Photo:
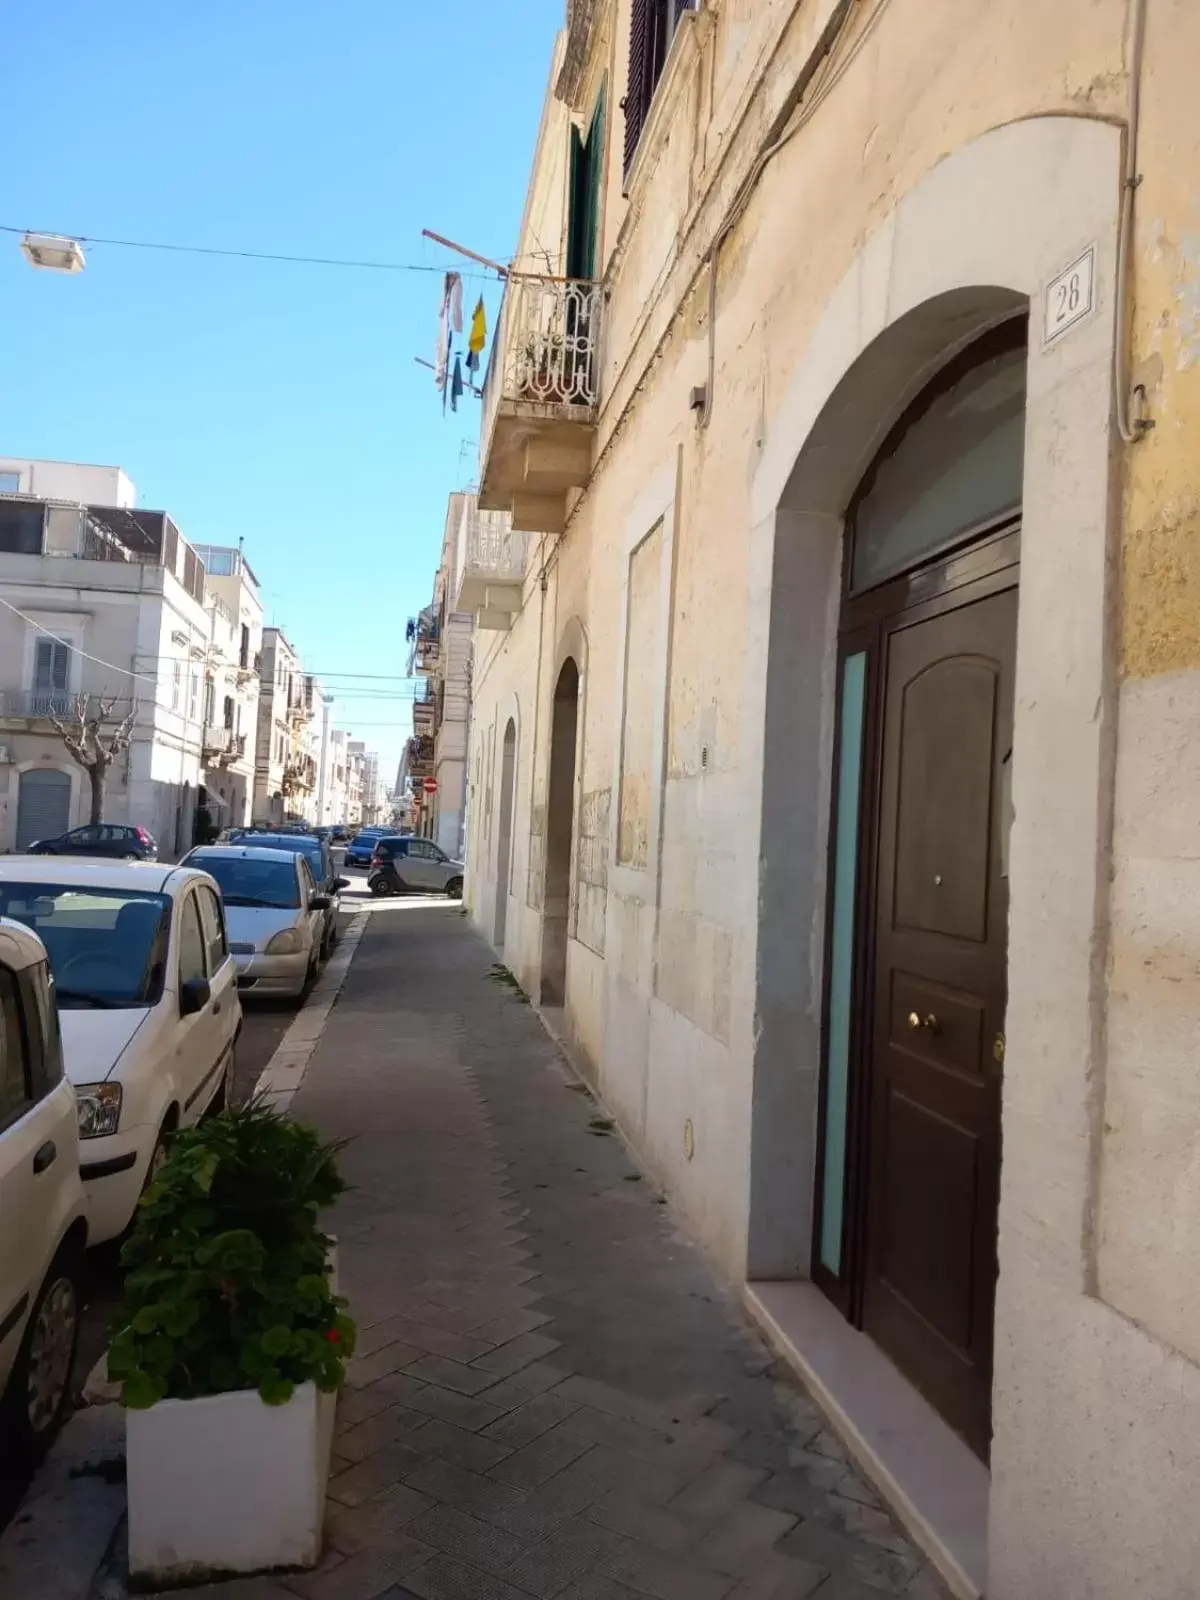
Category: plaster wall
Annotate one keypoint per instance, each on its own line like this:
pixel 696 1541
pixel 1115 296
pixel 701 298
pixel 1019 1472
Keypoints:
pixel 963 158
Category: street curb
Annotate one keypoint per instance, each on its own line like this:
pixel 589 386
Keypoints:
pixel 284 1072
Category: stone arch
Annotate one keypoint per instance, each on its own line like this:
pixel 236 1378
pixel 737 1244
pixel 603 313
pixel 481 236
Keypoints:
pixel 974 243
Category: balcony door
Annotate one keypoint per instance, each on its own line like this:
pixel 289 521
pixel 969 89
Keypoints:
pixel 51 676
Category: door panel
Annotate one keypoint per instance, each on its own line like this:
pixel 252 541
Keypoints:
pixel 940 932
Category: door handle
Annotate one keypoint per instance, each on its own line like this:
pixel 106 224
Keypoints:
pixel 46 1156
pixel 216 1006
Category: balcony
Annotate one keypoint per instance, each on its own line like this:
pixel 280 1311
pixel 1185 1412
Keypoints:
pixel 490 566
pixel 40 705
pixel 221 747
pixel 420 756
pixel 299 777
pixel 424 716
pixel 540 400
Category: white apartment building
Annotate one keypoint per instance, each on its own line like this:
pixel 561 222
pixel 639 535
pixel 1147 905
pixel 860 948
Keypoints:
pixel 285 768
pixel 336 778
pixel 231 685
pixel 102 600
pixel 442 653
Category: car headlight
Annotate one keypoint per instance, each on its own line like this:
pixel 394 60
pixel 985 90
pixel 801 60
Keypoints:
pixel 289 942
pixel 99 1108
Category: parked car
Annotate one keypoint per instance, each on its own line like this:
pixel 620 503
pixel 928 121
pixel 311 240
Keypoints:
pixel 100 839
pixel 43 1213
pixel 402 864
pixel 320 858
pixel 276 915
pixel 358 851
pixel 147 994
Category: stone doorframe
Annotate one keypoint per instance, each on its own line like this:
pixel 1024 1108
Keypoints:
pixel 975 242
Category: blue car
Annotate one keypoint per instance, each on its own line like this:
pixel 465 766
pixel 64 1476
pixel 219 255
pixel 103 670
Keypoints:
pixel 361 848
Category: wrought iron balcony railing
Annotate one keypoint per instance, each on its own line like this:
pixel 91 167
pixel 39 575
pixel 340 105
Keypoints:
pixel 546 351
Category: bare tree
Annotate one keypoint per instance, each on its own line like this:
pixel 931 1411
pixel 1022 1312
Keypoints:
pixel 94 749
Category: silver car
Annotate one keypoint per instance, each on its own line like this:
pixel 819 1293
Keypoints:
pixel 275 914
pixel 416 866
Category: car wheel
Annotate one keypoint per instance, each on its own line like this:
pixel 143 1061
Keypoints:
pixel 454 889
pixel 158 1155
pixel 40 1383
pixel 381 887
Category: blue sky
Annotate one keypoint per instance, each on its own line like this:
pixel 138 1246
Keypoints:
pixel 267 401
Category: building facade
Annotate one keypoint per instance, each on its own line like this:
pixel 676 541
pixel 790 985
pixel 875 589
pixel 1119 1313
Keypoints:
pixel 478 548
pixel 285 768
pixel 229 739
pixel 106 603
pixel 832 768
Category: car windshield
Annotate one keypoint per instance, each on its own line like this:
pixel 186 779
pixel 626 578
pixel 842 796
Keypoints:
pixel 250 881
pixel 107 947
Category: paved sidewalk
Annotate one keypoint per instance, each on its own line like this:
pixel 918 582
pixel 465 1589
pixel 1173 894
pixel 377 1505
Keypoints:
pixel 552 1396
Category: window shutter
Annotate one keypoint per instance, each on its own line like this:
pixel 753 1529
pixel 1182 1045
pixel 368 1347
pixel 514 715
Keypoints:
pixel 577 200
pixel 595 183
pixel 637 101
pixel 50 665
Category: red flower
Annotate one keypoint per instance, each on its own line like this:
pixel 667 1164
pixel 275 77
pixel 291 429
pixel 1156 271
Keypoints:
pixel 334 1336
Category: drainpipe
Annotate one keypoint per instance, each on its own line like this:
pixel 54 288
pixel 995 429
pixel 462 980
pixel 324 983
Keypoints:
pixel 1135 428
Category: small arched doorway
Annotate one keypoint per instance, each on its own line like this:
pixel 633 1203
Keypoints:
pixel 508 765
pixel 916 943
pixel 43 805
pixel 560 832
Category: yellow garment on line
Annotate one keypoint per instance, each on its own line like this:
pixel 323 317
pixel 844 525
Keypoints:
pixel 478 335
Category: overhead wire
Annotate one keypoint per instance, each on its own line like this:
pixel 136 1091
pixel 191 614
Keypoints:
pixel 250 255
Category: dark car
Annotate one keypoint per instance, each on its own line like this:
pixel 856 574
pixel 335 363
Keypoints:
pixel 317 853
pixel 360 848
pixel 111 839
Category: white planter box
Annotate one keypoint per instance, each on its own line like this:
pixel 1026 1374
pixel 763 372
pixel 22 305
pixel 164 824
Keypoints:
pixel 226 1484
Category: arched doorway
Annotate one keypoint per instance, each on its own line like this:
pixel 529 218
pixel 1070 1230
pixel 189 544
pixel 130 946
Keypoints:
pixel 43 805
pixel 560 832
pixel 508 764
pixel 916 947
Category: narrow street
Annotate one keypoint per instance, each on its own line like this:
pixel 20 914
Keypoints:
pixel 553 1395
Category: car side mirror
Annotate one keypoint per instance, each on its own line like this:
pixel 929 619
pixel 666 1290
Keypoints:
pixel 194 995
pixel 319 902
pixel 341 883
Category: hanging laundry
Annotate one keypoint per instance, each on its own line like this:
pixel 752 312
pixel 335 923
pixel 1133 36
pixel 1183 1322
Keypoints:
pixel 456 384
pixel 449 322
pixel 478 335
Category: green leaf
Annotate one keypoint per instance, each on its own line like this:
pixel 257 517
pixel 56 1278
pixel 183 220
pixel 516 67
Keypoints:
pixel 145 1320
pixel 276 1390
pixel 140 1391
pixel 277 1341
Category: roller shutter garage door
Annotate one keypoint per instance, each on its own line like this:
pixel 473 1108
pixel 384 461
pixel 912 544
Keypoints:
pixel 43 806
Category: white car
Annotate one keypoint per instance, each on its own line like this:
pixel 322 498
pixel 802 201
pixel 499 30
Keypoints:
pixel 43 1214
pixel 276 912
pixel 147 996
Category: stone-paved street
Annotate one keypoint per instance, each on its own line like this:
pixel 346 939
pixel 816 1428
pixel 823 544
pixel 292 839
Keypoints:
pixel 553 1396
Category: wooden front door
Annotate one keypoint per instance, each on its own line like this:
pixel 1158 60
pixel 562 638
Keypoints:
pixel 939 932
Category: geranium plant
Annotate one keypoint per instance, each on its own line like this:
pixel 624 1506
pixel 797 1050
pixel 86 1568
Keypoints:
pixel 226 1283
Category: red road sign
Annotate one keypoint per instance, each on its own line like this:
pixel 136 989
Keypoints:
pixel 430 785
